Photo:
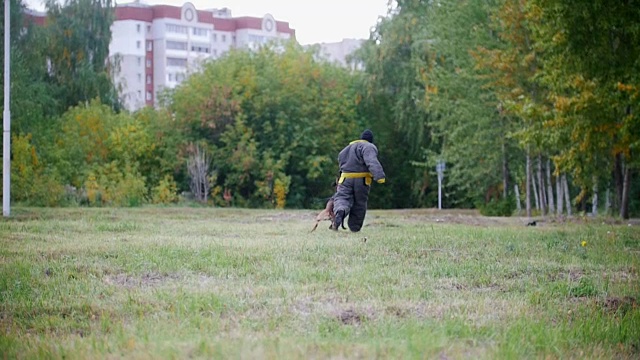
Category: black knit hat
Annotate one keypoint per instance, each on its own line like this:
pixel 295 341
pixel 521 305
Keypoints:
pixel 367 135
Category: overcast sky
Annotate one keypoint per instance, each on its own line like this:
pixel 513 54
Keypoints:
pixel 314 21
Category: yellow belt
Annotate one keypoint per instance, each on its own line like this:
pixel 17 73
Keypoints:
pixel 368 178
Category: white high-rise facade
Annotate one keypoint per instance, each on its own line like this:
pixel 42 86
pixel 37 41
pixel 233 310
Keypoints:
pixel 157 46
pixel 338 52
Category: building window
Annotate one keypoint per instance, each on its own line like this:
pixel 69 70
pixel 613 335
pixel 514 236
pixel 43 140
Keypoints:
pixel 179 77
pixel 224 38
pixel 176 45
pixel 149 96
pixel 170 76
pixel 139 61
pixel 138 44
pixel 200 48
pixel 138 27
pixel 148 63
pixel 200 32
pixel 256 39
pixel 179 29
pixel 148 79
pixel 177 62
pixel 233 39
pixel 139 94
pixel 148 29
pixel 215 37
pixel 139 77
pixel 149 45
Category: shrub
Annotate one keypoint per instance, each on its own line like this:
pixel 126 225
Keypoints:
pixel 501 207
pixel 166 191
pixel 108 185
pixel 31 181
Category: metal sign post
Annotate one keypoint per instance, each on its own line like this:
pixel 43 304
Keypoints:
pixel 6 114
pixel 440 166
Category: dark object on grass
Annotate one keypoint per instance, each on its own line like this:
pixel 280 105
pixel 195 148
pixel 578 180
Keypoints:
pixel 533 223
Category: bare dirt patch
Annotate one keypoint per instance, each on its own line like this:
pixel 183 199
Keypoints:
pixel 629 274
pixel 151 279
pixel 351 317
pixel 572 275
pixel 619 305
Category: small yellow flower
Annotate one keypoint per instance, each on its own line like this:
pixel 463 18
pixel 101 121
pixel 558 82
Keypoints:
pixel 583 243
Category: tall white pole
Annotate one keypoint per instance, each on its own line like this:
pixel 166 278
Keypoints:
pixel 440 166
pixel 439 190
pixel 6 114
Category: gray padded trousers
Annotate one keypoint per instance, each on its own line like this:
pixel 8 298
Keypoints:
pixel 352 197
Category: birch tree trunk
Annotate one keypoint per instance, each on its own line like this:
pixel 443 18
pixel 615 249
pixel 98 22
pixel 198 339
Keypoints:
pixel 541 192
pixel 505 173
pixel 626 184
pixel 517 192
pixel 535 194
pixel 527 192
pixel 567 197
pixel 618 178
pixel 594 205
pixel 550 189
pixel 198 166
pixel 559 196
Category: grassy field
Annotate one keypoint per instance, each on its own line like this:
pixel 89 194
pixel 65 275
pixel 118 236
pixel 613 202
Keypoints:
pixel 255 284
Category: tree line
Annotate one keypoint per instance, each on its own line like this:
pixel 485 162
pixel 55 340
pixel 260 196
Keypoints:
pixel 531 104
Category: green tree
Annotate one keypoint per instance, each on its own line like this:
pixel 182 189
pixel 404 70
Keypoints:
pixel 277 107
pixel 32 96
pixel 468 119
pixel 510 68
pixel 593 67
pixel 161 158
pixel 79 33
pixel 390 103
pixel 82 141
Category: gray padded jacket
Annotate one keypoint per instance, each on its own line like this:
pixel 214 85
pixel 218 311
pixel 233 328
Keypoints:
pixel 361 156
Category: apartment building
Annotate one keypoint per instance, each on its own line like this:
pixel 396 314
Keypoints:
pixel 338 52
pixel 158 46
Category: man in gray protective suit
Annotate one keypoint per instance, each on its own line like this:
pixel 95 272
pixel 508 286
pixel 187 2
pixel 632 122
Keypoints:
pixel 359 166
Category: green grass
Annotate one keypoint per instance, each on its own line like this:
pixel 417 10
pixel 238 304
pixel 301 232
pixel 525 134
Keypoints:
pixel 213 283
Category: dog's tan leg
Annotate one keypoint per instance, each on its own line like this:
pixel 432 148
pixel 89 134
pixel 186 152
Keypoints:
pixel 326 214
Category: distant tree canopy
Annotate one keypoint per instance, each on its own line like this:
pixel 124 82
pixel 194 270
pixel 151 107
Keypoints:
pixel 273 119
pixel 78 37
pixel 530 104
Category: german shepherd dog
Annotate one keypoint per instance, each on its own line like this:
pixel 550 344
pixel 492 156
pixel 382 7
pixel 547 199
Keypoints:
pixel 327 213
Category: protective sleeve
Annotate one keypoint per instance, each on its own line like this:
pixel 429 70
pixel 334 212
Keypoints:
pixel 370 156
